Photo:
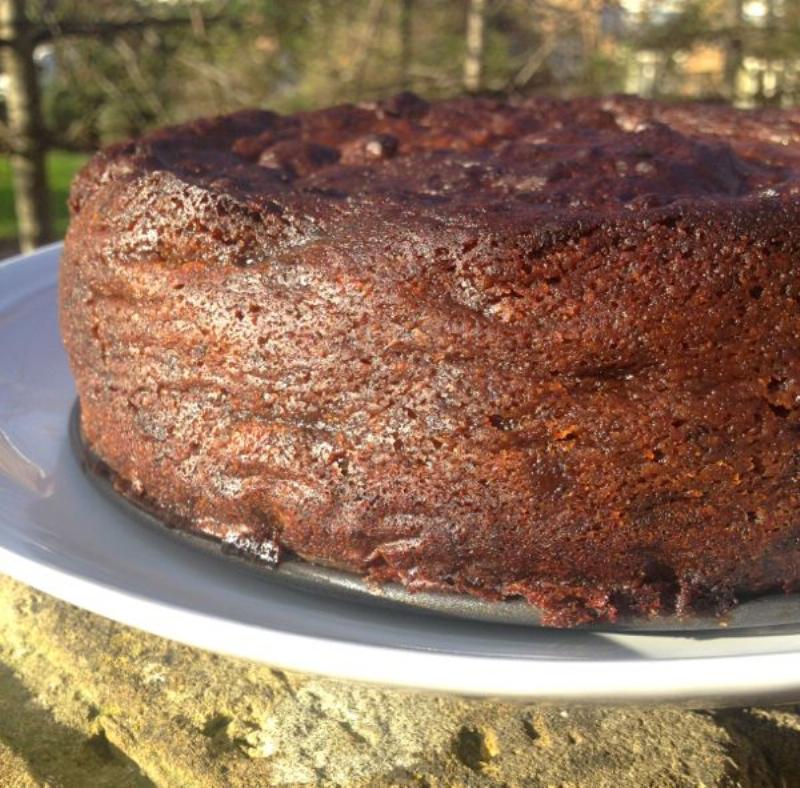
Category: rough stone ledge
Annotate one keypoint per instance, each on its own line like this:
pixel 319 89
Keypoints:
pixel 85 701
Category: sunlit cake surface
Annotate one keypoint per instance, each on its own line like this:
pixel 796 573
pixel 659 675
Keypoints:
pixel 541 349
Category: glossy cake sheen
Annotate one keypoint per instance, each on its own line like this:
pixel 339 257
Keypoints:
pixel 539 348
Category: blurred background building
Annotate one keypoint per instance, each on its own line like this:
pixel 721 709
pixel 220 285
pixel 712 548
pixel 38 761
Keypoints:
pixel 78 74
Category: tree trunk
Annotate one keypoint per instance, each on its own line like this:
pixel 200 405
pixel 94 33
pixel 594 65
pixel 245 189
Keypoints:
pixel 406 41
pixel 25 128
pixel 733 50
pixel 476 35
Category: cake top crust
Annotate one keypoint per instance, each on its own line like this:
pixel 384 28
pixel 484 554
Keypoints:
pixel 530 166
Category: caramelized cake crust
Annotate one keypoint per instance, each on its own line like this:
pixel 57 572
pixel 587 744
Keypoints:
pixel 543 348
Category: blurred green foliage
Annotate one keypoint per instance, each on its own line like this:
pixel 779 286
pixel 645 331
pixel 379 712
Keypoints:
pixel 61 166
pixel 297 54
pixel 205 57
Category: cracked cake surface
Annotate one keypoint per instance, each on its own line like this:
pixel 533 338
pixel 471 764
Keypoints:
pixel 533 348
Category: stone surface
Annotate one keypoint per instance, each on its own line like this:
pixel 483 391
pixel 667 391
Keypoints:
pixel 85 701
pixel 14 772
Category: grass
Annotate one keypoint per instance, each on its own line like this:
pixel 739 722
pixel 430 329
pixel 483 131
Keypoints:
pixel 61 166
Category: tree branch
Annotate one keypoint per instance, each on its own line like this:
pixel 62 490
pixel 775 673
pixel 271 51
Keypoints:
pixel 108 29
pixel 38 34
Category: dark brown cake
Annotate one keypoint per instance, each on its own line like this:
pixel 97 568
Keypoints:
pixel 548 349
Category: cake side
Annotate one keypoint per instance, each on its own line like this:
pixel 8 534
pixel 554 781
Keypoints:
pixel 581 390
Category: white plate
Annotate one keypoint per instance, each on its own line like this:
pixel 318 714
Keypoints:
pixel 59 534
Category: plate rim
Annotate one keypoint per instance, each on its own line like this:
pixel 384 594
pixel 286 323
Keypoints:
pixel 712 678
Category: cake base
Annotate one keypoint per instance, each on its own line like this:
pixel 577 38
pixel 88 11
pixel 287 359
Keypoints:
pixel 761 612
